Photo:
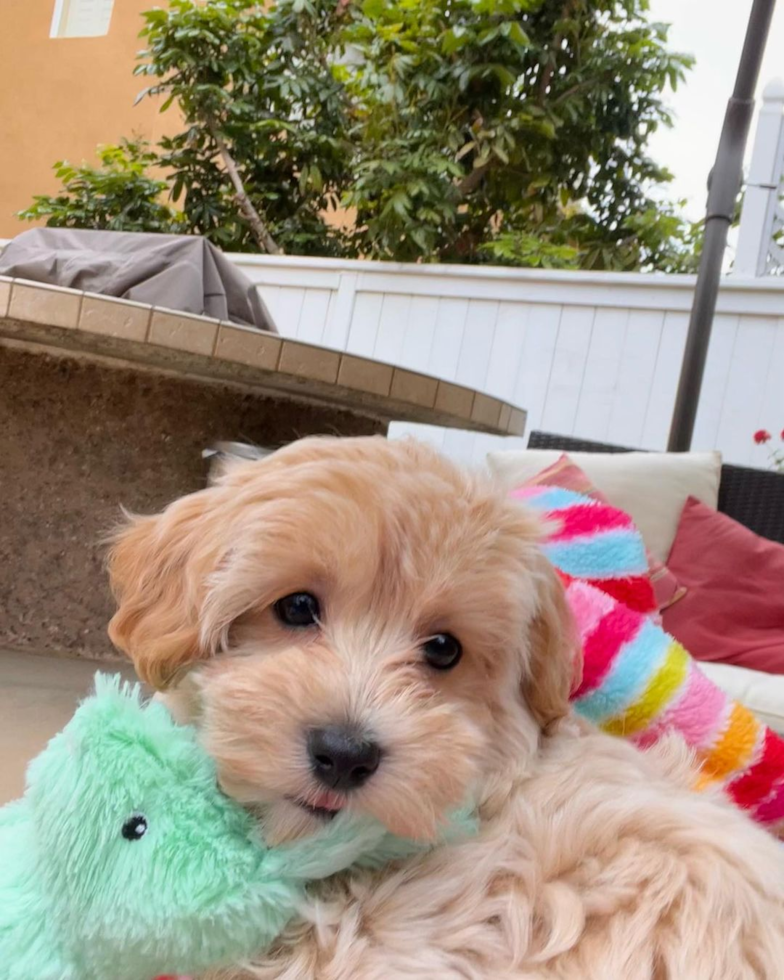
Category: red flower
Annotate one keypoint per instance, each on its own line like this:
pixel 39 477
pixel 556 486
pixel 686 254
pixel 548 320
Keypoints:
pixel 782 435
pixel 761 436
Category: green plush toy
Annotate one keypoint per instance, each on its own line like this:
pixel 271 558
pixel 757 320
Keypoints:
pixel 124 860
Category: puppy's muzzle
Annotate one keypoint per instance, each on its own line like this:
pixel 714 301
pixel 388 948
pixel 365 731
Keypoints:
pixel 342 758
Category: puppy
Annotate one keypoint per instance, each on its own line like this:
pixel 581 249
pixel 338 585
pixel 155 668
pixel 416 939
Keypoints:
pixel 358 624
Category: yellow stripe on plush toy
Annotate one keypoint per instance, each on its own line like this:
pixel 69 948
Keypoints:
pixel 735 746
pixel 664 684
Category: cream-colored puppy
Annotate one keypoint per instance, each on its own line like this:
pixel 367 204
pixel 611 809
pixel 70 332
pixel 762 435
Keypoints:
pixel 357 624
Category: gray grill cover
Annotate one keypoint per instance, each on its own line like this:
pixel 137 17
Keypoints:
pixel 178 272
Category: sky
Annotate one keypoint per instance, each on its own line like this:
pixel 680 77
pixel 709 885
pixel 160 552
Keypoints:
pixel 712 31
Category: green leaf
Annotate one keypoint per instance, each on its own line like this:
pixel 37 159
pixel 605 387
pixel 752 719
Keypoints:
pixel 143 94
pixel 454 39
pixel 177 188
pixel 517 35
pixel 488 35
pixel 504 75
pixel 420 237
pixel 374 9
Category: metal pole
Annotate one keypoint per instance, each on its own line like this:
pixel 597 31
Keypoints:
pixel 724 184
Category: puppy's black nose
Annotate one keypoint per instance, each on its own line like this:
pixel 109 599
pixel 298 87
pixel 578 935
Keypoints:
pixel 341 757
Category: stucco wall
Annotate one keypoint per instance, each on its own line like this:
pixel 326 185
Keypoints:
pixel 64 96
pixel 77 441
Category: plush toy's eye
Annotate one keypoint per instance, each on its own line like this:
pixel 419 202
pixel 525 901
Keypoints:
pixel 135 827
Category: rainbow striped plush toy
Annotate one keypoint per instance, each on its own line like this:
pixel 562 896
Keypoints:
pixel 638 682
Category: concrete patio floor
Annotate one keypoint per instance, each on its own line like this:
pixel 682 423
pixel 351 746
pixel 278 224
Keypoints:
pixel 37 697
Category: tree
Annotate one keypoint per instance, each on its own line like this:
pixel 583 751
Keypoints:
pixel 263 108
pixel 511 119
pixel 451 130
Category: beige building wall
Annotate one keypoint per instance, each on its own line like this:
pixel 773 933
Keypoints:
pixel 61 97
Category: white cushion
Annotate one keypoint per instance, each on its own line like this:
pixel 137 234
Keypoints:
pixel 651 487
pixel 759 692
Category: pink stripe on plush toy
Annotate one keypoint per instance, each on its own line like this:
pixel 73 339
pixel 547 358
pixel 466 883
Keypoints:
pixel 588 609
pixel 581 521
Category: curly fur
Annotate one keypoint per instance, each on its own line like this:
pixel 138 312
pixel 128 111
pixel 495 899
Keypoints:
pixel 594 859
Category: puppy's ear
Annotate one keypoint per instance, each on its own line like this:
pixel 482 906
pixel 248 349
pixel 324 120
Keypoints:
pixel 157 567
pixel 555 660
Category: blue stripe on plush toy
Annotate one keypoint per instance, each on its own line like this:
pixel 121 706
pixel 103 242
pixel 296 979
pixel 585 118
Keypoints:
pixel 609 554
pixel 555 498
pixel 634 665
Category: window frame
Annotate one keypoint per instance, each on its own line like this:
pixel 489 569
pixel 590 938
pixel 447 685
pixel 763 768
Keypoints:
pixel 63 10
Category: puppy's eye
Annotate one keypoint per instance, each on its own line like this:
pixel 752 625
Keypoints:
pixel 442 651
pixel 135 827
pixel 300 609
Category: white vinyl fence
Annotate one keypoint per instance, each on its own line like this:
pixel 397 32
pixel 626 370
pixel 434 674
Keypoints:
pixel 591 354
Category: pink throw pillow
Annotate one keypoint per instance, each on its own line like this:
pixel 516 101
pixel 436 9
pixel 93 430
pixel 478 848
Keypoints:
pixel 734 608
pixel 564 472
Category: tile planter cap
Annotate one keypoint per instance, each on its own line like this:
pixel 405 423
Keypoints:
pixel 214 350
